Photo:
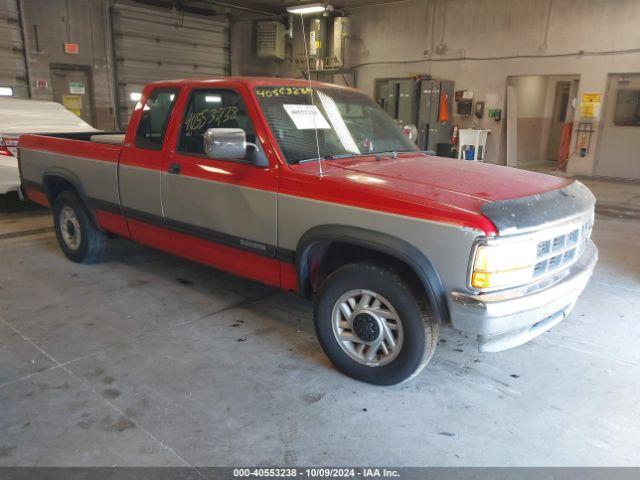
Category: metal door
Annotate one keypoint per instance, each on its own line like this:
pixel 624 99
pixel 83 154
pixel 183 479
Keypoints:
pixel 213 203
pixel 620 129
pixel 427 113
pixel 71 86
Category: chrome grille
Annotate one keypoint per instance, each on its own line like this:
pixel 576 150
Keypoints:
pixel 562 249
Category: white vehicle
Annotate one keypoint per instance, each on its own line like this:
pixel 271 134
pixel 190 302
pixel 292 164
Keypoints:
pixel 20 116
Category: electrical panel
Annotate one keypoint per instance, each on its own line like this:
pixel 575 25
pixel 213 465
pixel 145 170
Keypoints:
pixel 424 102
pixel 270 40
pixel 434 113
pixel 400 102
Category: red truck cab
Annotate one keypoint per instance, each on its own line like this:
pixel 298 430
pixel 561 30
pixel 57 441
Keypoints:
pixel 311 187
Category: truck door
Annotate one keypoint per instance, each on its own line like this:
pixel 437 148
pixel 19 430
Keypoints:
pixel 221 212
pixel 141 165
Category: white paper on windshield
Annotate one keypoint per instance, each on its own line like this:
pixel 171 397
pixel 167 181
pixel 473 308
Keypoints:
pixel 306 117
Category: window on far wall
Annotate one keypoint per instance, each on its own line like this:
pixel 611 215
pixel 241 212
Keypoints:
pixel 627 108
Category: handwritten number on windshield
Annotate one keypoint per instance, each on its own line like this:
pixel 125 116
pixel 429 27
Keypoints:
pixel 283 91
pixel 210 117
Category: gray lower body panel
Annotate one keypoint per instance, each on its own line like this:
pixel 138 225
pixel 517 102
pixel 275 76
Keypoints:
pixel 446 246
pixel 140 190
pixel 247 213
pixel 98 178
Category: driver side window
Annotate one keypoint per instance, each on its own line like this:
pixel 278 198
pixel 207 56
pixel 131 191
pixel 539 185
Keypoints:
pixel 212 109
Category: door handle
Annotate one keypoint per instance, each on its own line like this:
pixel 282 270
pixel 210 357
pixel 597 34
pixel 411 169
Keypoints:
pixel 175 168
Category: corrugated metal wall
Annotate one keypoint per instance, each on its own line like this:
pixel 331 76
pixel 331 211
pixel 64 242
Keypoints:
pixel 158 44
pixel 13 72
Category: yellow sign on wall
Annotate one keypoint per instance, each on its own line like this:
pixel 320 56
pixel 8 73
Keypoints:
pixel 591 97
pixel 590 105
pixel 73 103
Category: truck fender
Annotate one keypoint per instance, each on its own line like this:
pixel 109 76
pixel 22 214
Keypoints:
pixel 322 236
pixel 74 180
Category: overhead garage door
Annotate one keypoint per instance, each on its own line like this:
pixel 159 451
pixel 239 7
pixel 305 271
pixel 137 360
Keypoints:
pixel 159 44
pixel 13 72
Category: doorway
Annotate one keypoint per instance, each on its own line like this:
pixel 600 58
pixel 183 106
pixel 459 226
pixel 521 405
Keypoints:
pixel 620 129
pixel 564 104
pixel 72 87
pixel 540 109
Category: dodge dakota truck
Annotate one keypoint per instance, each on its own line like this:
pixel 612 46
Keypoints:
pixel 312 188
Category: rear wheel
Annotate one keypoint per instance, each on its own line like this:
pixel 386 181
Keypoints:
pixel 79 239
pixel 372 326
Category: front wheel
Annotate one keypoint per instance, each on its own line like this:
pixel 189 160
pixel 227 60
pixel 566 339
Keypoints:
pixel 372 326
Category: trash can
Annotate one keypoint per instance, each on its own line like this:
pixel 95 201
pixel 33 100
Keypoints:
pixel 470 153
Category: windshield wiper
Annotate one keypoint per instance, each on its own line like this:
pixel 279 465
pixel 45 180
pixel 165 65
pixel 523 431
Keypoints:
pixel 392 153
pixel 346 155
pixel 335 157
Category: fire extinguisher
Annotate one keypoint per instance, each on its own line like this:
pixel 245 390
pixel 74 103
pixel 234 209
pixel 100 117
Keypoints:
pixel 454 135
pixel 454 140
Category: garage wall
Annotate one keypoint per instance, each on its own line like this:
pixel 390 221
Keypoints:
pixel 158 44
pixel 531 96
pixel 13 71
pixel 244 60
pixel 48 24
pixel 395 40
pixel 123 47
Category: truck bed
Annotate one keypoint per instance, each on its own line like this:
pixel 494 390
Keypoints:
pixel 77 157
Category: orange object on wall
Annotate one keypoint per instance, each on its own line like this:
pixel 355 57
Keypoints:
pixel 565 144
pixel 443 111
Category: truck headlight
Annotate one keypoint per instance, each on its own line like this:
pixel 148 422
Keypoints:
pixel 503 264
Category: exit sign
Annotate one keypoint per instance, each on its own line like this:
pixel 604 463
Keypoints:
pixel 71 48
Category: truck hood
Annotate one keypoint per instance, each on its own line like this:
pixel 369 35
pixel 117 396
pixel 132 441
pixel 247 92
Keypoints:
pixel 432 176
pixel 429 187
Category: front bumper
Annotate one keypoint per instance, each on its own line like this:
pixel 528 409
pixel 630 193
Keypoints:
pixel 510 318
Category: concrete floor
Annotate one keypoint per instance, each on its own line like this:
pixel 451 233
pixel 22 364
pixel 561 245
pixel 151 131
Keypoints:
pixel 147 359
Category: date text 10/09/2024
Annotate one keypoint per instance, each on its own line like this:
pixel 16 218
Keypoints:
pixel 316 473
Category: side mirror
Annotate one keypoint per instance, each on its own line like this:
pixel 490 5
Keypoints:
pixel 411 132
pixel 225 143
pixel 231 144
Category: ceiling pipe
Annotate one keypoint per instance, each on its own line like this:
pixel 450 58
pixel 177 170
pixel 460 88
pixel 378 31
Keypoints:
pixel 244 9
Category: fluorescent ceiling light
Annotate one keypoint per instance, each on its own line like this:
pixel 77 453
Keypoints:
pixel 135 96
pixel 213 98
pixel 6 92
pixel 307 8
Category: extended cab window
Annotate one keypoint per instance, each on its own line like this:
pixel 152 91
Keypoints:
pixel 212 109
pixel 155 117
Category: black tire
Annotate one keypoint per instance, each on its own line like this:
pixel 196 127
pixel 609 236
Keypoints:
pixel 91 242
pixel 420 328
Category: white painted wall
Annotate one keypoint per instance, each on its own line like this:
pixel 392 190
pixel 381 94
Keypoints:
pixel 403 34
pixel 531 97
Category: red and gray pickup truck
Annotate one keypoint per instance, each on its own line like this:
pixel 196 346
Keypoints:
pixel 312 188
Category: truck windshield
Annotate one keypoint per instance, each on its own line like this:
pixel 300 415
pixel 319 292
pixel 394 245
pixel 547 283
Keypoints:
pixel 346 123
